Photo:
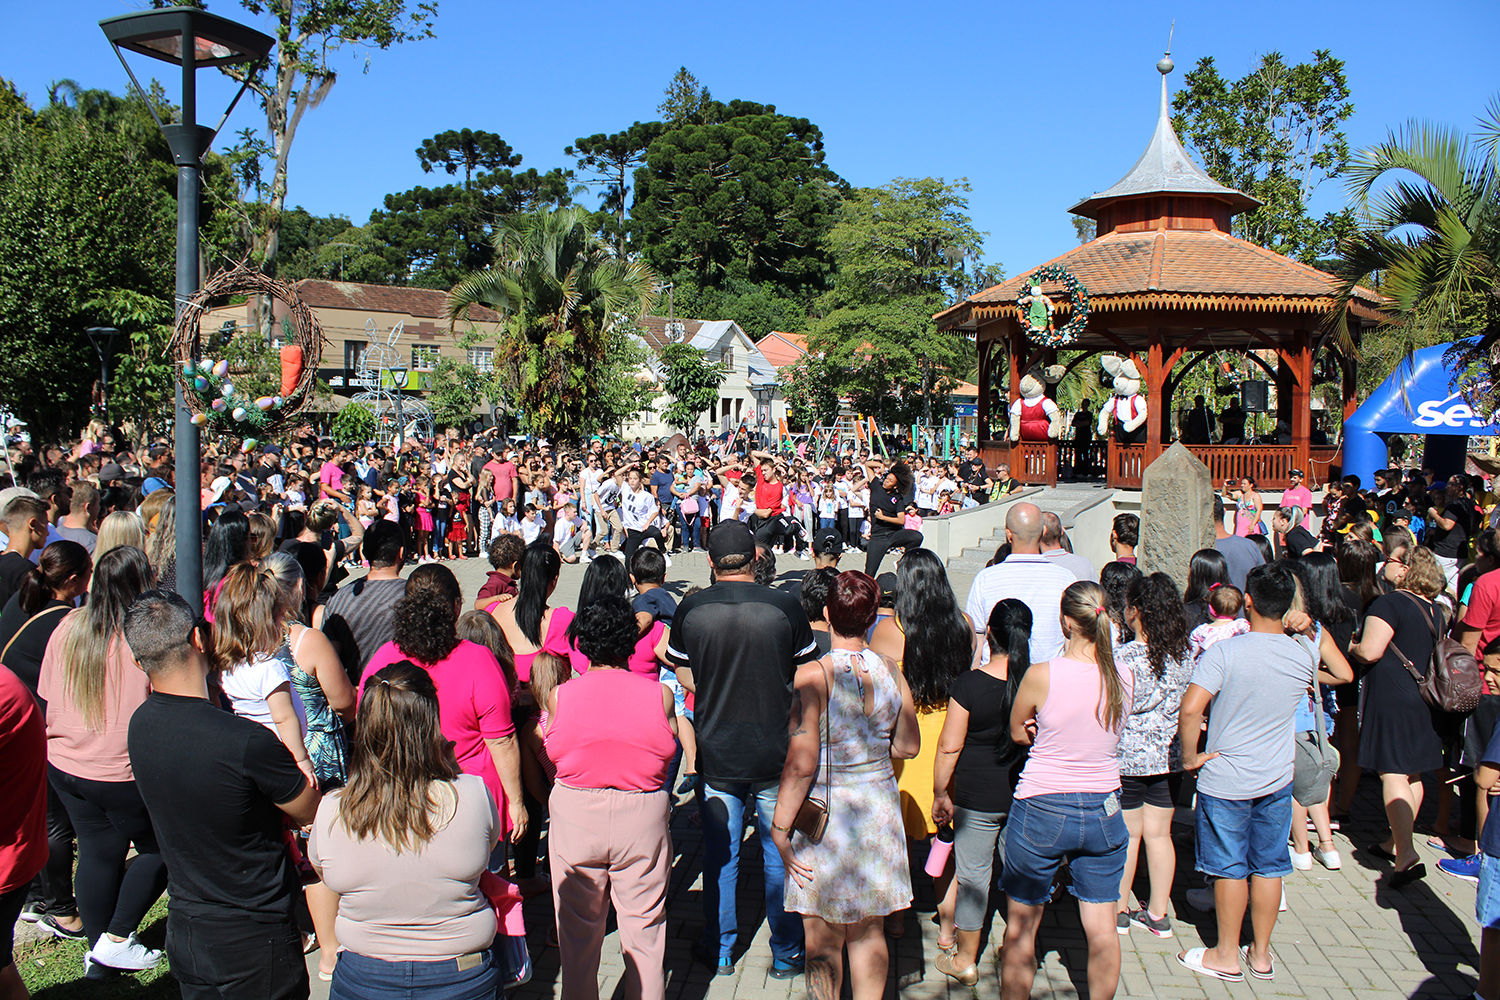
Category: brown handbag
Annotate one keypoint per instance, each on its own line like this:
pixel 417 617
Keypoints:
pixel 812 816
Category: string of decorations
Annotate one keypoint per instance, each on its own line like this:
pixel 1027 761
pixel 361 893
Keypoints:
pixel 1078 299
pixel 208 386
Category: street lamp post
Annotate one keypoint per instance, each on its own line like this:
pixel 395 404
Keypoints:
pixel 190 38
pixel 763 395
pixel 102 337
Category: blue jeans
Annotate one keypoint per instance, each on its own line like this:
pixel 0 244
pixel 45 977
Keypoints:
pixel 1086 829
pixel 723 809
pixel 1237 838
pixel 692 530
pixel 824 523
pixel 359 977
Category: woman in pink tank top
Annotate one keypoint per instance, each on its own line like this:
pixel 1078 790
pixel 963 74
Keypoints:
pixel 612 734
pixel 1067 805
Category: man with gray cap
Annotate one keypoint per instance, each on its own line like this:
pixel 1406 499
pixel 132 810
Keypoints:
pixel 737 646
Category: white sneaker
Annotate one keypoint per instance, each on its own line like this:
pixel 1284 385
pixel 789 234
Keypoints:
pixel 1328 859
pixel 128 955
pixel 585 558
pixel 803 555
pixel 1301 862
pixel 668 558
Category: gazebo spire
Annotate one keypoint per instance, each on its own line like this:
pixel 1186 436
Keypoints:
pixel 1165 168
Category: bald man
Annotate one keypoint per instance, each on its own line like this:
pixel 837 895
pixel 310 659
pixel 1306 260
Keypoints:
pixel 1054 549
pixel 1028 576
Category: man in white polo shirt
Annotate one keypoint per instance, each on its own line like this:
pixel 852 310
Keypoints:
pixel 1028 576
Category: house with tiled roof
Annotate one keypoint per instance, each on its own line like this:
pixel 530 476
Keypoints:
pixel 782 349
pixel 350 311
pixel 722 341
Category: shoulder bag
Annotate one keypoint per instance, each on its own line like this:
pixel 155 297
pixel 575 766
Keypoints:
pixel 812 817
pixel 1317 760
pixel 1454 676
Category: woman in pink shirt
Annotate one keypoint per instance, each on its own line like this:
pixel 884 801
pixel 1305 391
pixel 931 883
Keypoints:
pixel 1067 805
pixel 473 696
pixel 612 735
pixel 91 687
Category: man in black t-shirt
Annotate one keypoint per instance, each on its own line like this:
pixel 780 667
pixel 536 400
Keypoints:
pixel 892 497
pixel 218 787
pixel 974 474
pixel 737 645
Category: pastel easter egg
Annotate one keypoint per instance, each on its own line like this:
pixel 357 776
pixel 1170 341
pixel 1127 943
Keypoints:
pixel 265 402
pixel 219 405
pixel 200 383
pixel 248 444
pixel 199 419
pixel 240 413
pixel 221 369
pixel 227 389
pixel 205 366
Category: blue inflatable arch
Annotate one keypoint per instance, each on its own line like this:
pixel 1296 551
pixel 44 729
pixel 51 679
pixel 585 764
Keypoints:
pixel 1423 400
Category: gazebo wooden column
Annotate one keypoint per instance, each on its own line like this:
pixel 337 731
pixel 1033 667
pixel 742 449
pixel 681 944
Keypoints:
pixel 1158 416
pixel 1300 357
pixel 986 350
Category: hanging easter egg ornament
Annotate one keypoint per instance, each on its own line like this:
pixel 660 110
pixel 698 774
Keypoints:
pixel 249 444
pixel 239 394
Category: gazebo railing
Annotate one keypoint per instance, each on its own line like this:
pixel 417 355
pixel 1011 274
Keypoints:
pixel 1034 462
pixel 1269 465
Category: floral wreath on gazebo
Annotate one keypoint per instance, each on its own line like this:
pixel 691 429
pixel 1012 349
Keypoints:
pixel 1035 310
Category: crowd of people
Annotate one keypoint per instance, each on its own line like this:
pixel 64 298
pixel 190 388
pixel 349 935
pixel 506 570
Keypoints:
pixel 337 750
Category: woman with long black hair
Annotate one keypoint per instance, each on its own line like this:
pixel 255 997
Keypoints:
pixel 228 543
pixel 1358 563
pixel 92 686
pixel 1160 661
pixel 975 772
pixel 932 641
pixel 531 626
pixel 1323 599
pixel 1116 579
pixel 1206 568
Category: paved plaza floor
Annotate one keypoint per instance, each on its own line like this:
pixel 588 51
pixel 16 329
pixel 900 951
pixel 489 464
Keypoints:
pixel 1343 936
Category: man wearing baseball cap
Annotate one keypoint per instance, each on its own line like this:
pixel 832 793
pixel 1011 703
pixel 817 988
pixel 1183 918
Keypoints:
pixel 1298 496
pixel 737 646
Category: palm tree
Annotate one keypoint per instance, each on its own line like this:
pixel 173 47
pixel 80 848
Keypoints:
pixel 1434 241
pixel 560 292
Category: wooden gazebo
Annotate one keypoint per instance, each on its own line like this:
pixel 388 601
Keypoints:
pixel 1168 286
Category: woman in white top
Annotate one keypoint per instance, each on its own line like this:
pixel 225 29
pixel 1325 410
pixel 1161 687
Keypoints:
pixel 251 626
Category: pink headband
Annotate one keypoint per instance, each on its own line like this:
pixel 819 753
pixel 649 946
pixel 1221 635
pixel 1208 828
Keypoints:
pixel 1211 586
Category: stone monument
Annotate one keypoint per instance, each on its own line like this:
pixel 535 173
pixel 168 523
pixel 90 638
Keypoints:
pixel 1177 513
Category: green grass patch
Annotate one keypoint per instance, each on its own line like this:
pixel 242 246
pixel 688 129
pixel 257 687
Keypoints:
pixel 53 969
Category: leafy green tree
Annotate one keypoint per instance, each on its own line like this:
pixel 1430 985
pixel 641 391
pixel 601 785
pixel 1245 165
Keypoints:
pixel 82 223
pixel 467 150
pixel 619 388
pixel 611 159
pixel 141 381
pixel 810 385
pixel 686 101
pixel 560 291
pixel 900 252
pixel 743 195
pixel 354 423
pixel 310 35
pixel 1276 134
pixel 692 381
pixel 1432 236
pixel 457 392
pixel 432 237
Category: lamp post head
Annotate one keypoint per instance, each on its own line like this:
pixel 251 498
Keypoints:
pixel 189 38
pixel 217 41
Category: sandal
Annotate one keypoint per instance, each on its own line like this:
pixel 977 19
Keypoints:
pixel 1245 958
pixel 1193 959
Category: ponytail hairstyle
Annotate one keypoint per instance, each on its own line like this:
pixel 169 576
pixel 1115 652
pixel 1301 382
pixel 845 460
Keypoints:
pixel 1009 635
pixel 60 561
pixel 539 569
pixel 1084 605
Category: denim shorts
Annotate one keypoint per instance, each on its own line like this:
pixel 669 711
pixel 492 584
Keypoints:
pixel 1085 829
pixel 1238 838
pixel 1487 898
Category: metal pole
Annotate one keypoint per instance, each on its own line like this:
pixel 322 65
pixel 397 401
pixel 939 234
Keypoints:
pixel 185 440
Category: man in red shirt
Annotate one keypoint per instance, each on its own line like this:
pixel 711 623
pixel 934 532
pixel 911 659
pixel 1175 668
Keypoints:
pixel 506 475
pixel 770 523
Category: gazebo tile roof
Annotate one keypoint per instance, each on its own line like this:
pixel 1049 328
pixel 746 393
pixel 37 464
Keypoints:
pixel 1193 262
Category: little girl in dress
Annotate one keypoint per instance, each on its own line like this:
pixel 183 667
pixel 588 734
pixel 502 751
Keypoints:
pixel 1226 602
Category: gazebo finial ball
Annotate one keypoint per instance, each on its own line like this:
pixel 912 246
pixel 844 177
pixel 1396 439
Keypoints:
pixel 1164 65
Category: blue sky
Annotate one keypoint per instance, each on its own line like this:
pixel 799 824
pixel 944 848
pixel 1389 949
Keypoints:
pixel 1038 105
